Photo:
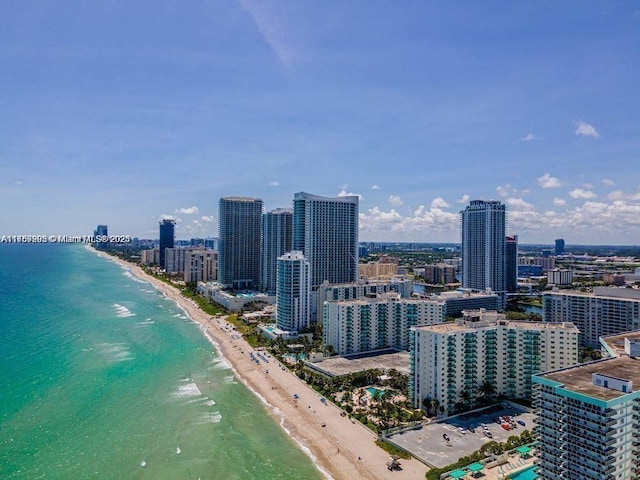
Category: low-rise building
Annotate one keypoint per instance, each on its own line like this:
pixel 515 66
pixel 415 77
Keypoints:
pixel 559 276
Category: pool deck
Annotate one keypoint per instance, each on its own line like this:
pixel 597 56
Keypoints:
pixel 514 464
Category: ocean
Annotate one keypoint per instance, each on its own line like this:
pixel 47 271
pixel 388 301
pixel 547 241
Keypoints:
pixel 103 377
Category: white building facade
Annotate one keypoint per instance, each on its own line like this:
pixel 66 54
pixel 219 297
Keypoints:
pixel 485 354
pixel 372 323
pixel 293 292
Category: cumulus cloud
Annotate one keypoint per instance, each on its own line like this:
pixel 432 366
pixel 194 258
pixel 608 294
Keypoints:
pixel 586 130
pixel 621 195
pixel 464 199
pixel 164 216
pixel 608 182
pixel 439 203
pixel 518 204
pixel 581 194
pixel 206 218
pixel 188 210
pixel 422 222
pixel 528 137
pixel 274 183
pixel 395 200
pixel 343 193
pixel 504 190
pixel 559 202
pixel 375 187
pixel 547 181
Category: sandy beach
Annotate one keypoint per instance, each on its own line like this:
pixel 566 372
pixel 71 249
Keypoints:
pixel 342 449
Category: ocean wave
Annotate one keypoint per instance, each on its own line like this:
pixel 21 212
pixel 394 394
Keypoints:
pixel 220 363
pixel 127 273
pixel 231 380
pixel 117 352
pixel 147 321
pixel 122 311
pixel 210 417
pixel 188 390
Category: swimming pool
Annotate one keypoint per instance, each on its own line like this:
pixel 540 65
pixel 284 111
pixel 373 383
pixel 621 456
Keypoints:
pixel 526 474
pixel 372 391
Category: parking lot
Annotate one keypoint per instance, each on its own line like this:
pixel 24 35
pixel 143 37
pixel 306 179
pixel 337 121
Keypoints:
pixel 429 445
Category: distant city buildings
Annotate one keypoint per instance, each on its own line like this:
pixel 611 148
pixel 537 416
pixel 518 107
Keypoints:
pixel 371 323
pixel 483 354
pixel 167 239
pixel 439 273
pixel 588 416
pixel 101 231
pixel 277 231
pixel 377 269
pixel 293 292
pixel 560 246
pixel 484 247
pixel 240 225
pixel 607 311
pixel 559 276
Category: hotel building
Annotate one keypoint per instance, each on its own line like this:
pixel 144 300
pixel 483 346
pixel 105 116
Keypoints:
pixel 167 239
pixel 483 352
pixel 607 311
pixel 588 416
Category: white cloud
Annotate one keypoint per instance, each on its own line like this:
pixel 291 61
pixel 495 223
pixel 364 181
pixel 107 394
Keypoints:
pixel 547 181
pixel 620 195
pixel 206 218
pixel 588 186
pixel 274 183
pixel 164 216
pixel 422 222
pixel 581 194
pixel 375 187
pixel 395 200
pixel 188 211
pixel 586 130
pixel 528 137
pixel 559 202
pixel 518 204
pixel 504 190
pixel 608 182
pixel 270 27
pixel 439 203
pixel 464 199
pixel 343 193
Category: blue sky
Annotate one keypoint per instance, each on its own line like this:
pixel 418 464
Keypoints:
pixel 122 112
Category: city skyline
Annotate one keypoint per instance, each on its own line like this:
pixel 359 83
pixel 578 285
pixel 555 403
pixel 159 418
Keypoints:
pixel 417 110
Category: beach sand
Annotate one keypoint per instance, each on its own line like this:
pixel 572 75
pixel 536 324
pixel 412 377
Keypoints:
pixel 341 449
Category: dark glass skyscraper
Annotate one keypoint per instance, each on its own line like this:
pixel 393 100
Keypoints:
pixel 560 246
pixel 240 249
pixel 512 263
pixel 484 247
pixel 167 239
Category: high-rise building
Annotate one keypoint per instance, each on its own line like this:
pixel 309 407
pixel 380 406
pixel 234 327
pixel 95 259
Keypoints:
pixel 483 246
pixel 512 262
pixel 588 416
pixel 560 246
pixel 99 234
pixel 239 255
pixel 294 288
pixel 606 311
pixel 326 231
pixel 485 354
pixel 167 238
pixel 277 232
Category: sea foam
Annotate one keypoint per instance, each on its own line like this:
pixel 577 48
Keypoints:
pixel 122 311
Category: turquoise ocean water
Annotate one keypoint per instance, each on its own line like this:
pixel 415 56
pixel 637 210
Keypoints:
pixel 102 377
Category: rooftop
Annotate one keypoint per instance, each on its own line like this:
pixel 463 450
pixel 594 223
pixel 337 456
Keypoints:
pixel 616 342
pixel 461 326
pixel 579 379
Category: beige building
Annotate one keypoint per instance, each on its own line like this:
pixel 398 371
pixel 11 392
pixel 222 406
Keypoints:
pixel 483 353
pixel 377 269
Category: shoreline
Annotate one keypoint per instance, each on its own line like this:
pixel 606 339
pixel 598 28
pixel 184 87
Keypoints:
pixel 338 448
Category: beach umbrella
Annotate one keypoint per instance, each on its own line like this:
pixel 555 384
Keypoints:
pixel 457 473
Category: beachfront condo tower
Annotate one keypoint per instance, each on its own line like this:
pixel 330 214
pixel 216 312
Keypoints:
pixel 167 239
pixel 294 288
pixel 484 256
pixel 277 231
pixel 240 242
pixel 325 230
